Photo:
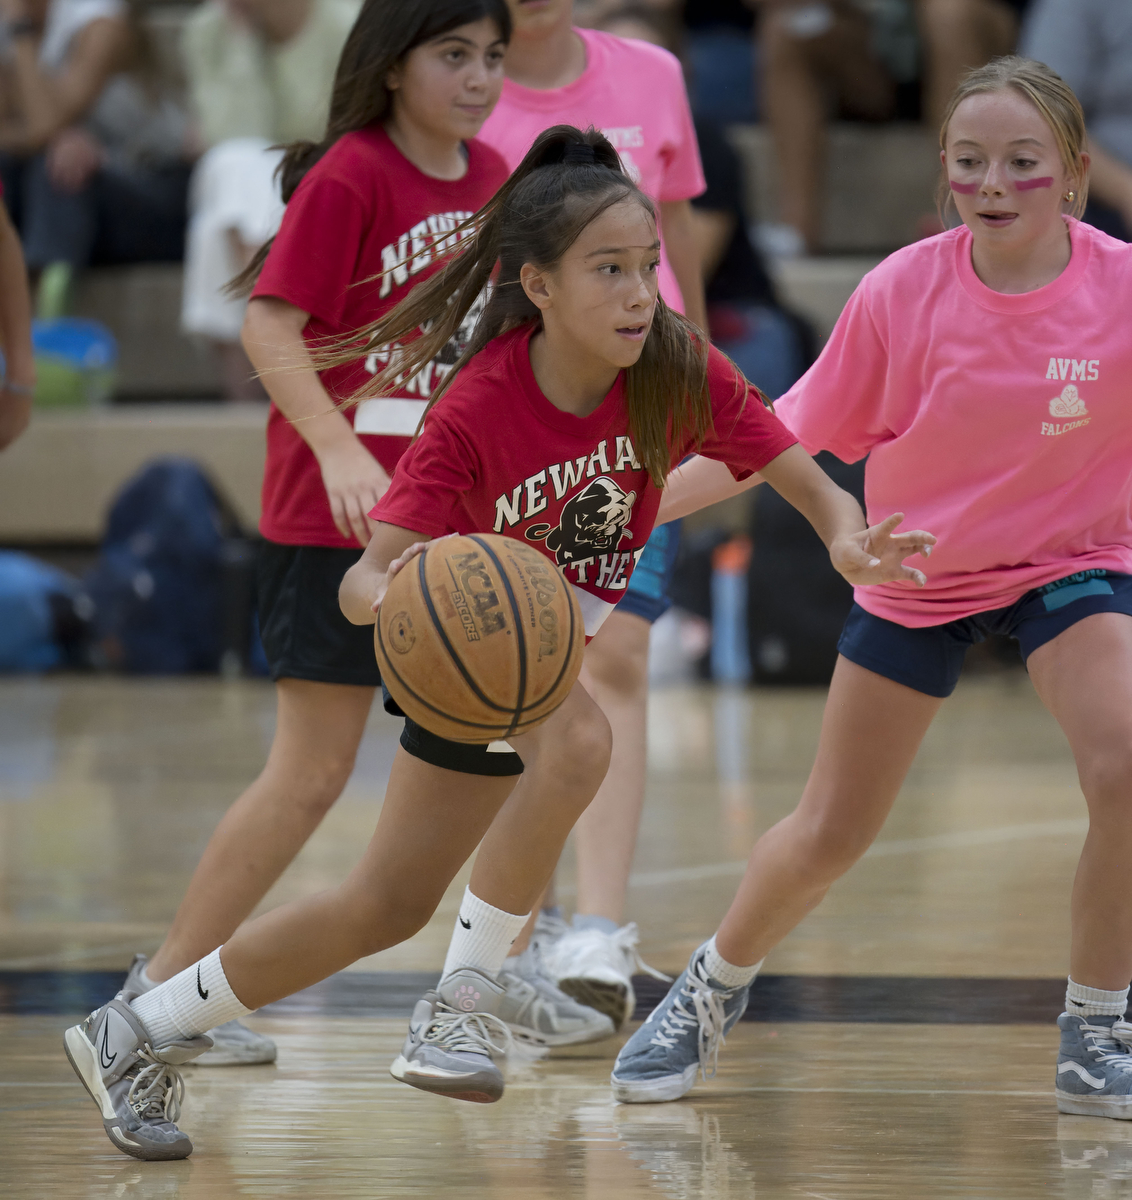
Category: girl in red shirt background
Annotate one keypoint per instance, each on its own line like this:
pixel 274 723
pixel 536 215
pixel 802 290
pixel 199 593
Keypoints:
pixel 384 191
pixel 575 362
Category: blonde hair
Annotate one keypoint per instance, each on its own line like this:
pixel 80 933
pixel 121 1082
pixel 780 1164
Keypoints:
pixel 1050 95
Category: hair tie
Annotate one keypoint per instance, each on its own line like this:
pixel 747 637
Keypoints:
pixel 579 152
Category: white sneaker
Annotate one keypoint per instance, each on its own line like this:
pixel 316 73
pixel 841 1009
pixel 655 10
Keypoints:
pixel 539 1013
pixel 233 1044
pixel 597 968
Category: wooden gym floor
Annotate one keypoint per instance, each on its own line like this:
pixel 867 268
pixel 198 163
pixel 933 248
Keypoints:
pixel 901 1043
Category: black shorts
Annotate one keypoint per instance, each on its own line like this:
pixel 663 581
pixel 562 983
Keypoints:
pixel 305 636
pixel 929 659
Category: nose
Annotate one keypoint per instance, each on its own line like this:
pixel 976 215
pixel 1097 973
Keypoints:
pixel 995 181
pixel 476 78
pixel 643 294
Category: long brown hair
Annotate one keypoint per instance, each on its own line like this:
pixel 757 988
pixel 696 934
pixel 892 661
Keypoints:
pixel 385 31
pixel 1050 95
pixel 538 214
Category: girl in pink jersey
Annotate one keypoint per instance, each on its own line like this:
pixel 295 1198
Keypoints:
pixel 577 393
pixel 985 374
pixel 370 209
pixel 633 91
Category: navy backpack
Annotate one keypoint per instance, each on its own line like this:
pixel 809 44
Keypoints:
pixel 158 589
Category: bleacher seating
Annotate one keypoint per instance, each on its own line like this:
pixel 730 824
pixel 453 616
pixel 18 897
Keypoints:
pixel 56 483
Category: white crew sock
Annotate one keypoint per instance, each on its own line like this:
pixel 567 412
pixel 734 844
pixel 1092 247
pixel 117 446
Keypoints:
pixel 193 1001
pixel 1094 1002
pixel 482 937
pixel 145 978
pixel 724 972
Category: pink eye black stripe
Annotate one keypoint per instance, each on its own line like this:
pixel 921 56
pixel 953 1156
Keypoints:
pixel 964 189
pixel 1025 185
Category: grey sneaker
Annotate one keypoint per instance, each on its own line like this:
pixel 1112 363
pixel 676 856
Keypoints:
pixel 135 1084
pixel 679 1039
pixel 539 1013
pixel 1094 1068
pixel 453 1034
pixel 233 1043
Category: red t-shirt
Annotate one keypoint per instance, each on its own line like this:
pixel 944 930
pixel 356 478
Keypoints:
pixel 496 455
pixel 363 209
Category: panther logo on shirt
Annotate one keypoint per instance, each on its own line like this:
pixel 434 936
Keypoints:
pixel 591 522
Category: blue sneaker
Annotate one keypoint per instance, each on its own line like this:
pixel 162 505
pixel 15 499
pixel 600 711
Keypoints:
pixel 1094 1068
pixel 679 1039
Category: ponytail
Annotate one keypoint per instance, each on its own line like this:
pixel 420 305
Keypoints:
pixel 567 179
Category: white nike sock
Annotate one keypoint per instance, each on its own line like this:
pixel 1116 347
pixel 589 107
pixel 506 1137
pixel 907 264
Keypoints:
pixel 482 937
pixel 193 1001
pixel 724 972
pixel 1094 1002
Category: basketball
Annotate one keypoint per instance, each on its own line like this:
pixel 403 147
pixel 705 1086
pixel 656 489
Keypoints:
pixel 479 638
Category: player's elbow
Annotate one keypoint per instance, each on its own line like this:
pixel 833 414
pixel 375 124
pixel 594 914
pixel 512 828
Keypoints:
pixel 355 599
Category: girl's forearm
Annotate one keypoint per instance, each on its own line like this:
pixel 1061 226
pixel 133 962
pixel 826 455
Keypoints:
pixel 273 338
pixel 365 582
pixel 361 585
pixel 802 483
pixel 696 484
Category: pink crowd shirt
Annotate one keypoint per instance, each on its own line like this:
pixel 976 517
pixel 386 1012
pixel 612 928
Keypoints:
pixel 1000 423
pixel 634 93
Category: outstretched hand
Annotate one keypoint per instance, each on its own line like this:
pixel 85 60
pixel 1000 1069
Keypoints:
pixel 877 554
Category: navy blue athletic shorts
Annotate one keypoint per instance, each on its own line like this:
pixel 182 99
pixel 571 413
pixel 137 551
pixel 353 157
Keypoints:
pixel 647 593
pixel 930 659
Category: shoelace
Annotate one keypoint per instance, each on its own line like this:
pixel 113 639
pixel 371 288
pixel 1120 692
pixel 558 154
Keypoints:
pixel 1107 1047
pixel 707 1018
pixel 626 939
pixel 157 1090
pixel 469 1032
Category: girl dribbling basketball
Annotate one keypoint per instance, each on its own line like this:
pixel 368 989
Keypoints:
pixel 371 210
pixel 985 373
pixel 575 396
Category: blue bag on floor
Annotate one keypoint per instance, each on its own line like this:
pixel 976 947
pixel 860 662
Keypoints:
pixel 28 627
pixel 158 586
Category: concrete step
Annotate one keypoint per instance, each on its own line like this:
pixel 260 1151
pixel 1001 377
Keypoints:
pixel 880 183
pixel 59 480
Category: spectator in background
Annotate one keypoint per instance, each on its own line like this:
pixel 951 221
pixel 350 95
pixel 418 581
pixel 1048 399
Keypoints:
pixel 771 346
pixel 859 58
pixel 92 154
pixel 260 73
pixel 1089 44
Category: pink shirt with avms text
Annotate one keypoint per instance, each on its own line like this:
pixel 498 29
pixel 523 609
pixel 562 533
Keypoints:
pixel 634 93
pixel 1001 423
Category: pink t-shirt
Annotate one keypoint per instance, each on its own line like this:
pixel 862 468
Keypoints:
pixel 1002 424
pixel 634 93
